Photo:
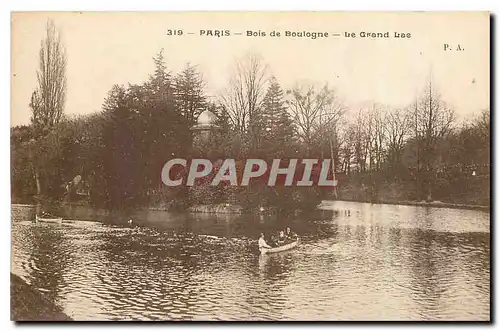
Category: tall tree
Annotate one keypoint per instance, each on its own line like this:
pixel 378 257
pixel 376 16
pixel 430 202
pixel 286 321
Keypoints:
pixel 48 99
pixel 142 131
pixel 275 124
pixel 121 155
pixel 314 111
pixel 432 120
pixel 362 131
pixel 378 137
pixel 397 128
pixel 160 86
pixel 347 149
pixel 161 77
pixel 189 92
pixel 116 97
pixel 243 98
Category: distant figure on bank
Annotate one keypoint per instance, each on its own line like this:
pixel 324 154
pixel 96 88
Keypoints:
pixel 262 242
pixel 130 221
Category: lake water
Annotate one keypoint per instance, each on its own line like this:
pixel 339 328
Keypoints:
pixel 356 261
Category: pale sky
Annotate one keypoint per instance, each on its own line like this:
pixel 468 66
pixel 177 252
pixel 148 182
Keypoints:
pixel 104 49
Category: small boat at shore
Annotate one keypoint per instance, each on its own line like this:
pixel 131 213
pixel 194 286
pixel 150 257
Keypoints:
pixel 278 249
pixel 48 220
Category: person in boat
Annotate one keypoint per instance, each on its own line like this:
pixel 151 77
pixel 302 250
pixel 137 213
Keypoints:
pixel 272 241
pixel 281 238
pixel 262 242
pixel 291 236
pixel 44 214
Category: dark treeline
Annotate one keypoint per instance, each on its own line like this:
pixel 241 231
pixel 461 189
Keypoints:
pixel 114 158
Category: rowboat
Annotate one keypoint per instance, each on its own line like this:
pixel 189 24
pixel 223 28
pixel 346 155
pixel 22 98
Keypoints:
pixel 48 220
pixel 278 249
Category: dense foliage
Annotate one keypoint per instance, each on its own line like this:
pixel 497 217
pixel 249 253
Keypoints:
pixel 119 152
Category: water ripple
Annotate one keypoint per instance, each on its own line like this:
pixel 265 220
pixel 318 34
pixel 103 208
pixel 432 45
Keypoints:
pixel 343 270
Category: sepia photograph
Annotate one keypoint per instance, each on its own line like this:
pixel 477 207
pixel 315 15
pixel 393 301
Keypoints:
pixel 250 166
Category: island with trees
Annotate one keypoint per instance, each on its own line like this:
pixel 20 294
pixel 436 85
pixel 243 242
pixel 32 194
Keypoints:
pixel 113 158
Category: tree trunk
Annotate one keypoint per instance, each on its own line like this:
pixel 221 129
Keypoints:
pixel 37 179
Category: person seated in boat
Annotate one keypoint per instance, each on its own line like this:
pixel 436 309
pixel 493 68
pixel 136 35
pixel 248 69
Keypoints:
pixel 262 242
pixel 273 241
pixel 291 236
pixel 281 238
pixel 45 214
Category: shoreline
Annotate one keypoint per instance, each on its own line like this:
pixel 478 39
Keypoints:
pixel 238 210
pixel 27 304
pixel 434 204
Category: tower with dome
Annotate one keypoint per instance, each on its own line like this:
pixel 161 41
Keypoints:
pixel 204 129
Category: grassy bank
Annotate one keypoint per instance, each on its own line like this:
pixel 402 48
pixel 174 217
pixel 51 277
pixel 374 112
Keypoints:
pixel 28 304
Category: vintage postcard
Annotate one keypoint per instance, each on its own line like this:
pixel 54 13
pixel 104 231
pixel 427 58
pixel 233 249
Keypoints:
pixel 263 166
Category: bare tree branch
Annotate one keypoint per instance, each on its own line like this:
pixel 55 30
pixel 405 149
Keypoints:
pixel 243 97
pixel 48 100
